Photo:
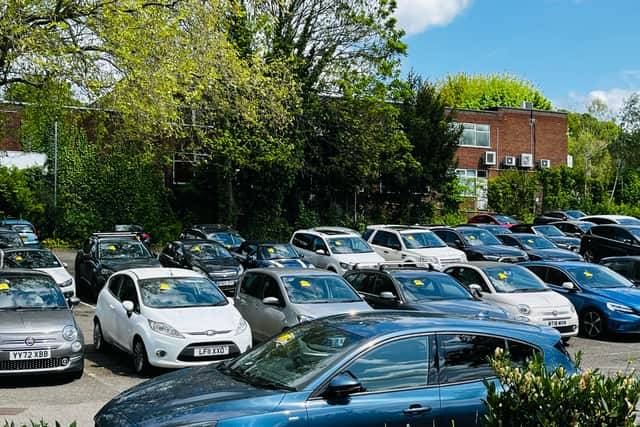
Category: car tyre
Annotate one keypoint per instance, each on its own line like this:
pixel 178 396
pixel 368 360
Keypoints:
pixel 589 256
pixel 98 337
pixel 140 359
pixel 592 324
pixel 565 340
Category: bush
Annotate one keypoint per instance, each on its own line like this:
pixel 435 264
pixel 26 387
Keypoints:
pixel 533 396
pixel 32 423
pixel 55 243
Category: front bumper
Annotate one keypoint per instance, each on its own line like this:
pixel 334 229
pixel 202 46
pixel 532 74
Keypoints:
pixel 623 323
pixel 565 323
pixel 63 359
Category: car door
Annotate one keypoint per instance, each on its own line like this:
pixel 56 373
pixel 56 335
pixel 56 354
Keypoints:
pixel 319 252
pixel 124 321
pixel 387 245
pixel 304 243
pixel 363 282
pixel 628 244
pixel 555 277
pixel 167 256
pixel 400 388
pixel 106 306
pixel 272 318
pixel 603 242
pixel 83 265
pixel 383 283
pixel 247 296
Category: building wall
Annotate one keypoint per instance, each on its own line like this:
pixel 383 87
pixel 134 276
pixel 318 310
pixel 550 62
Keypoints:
pixel 9 126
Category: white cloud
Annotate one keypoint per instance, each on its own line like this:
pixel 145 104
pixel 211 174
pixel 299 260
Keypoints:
pixel 415 16
pixel 613 98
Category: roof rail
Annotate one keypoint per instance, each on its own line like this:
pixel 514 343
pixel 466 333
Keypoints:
pixel 116 234
pixel 405 265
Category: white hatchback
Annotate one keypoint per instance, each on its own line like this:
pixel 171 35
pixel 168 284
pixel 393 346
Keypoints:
pixel 41 260
pixel 168 318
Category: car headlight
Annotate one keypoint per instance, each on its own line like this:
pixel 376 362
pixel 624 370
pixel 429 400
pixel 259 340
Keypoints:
pixel 522 318
pixel 66 283
pixel 524 308
pixel 69 333
pixel 619 307
pixel 242 326
pixel 572 309
pixel 164 329
pixel 240 270
pixel 304 318
pixel 106 272
pixel 492 257
pixel 430 260
pixel 76 346
pixel 345 265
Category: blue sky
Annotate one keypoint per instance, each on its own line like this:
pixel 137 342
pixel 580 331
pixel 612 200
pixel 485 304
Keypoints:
pixel 572 50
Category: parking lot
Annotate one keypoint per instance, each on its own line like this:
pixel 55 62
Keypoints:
pixel 105 375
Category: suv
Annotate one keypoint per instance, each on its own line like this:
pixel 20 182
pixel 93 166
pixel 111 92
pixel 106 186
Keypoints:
pixel 552 233
pixel 223 234
pixel 479 245
pixel 400 243
pixel 611 219
pixel 102 254
pixel 552 216
pixel 610 240
pixel 334 250
pixel 25 230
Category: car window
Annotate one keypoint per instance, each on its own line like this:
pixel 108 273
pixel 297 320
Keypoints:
pixel 315 289
pixel 422 239
pixel 31 259
pixel 480 237
pixel 513 279
pixel 606 232
pixel 384 284
pixel 302 240
pixel 465 357
pixel 22 292
pixel 380 238
pixel 114 285
pixel 536 242
pixel 277 251
pixel 349 245
pixel 174 292
pixel 549 230
pixel 86 246
pixel 252 284
pixel 397 365
pixel 317 243
pixel 597 276
pixel 508 240
pixel 367 233
pixel 620 267
pixel 206 251
pixel 623 236
pixel 271 289
pixel 122 249
pixel 467 277
pixel 539 271
pixel 419 287
pixel 128 291
pixel 483 220
pixel 556 277
pixel 363 282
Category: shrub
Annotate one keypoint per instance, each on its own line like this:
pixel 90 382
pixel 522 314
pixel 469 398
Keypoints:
pixel 55 243
pixel 32 423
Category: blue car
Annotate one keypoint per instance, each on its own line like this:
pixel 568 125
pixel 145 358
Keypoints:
pixel 381 368
pixel 267 254
pixel 605 300
pixel 539 247
pixel 25 230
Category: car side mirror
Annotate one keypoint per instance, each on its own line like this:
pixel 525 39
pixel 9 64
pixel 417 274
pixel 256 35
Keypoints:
pixel 342 386
pixel 65 265
pixel 321 252
pixel 73 301
pixel 387 295
pixel 128 307
pixel 271 301
pixel 476 290
pixel 568 286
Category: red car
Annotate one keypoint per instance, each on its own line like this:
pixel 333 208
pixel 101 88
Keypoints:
pixel 502 220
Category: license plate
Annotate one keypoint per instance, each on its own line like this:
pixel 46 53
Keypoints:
pixel 557 322
pixel 30 355
pixel 226 282
pixel 211 351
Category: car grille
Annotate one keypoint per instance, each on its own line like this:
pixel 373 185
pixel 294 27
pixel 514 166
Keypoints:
pixel 513 259
pixel 25 365
pixel 564 329
pixel 186 355
pixel 447 261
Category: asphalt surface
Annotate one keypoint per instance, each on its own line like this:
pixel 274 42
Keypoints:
pixel 107 374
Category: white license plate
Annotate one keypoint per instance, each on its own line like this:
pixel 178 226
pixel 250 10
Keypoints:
pixel 30 355
pixel 557 322
pixel 226 282
pixel 211 351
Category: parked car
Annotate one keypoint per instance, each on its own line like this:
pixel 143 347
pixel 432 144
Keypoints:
pixel 603 241
pixel 415 288
pixel 538 247
pixel 334 250
pixel 102 254
pixel 496 219
pixel 519 292
pixel 627 266
pixel 168 318
pixel 10 238
pixel 263 254
pixel 606 302
pixel 38 333
pixel 573 228
pixel 479 244
pixel 399 243
pixel 275 299
pixel 611 219
pixel 491 228
pixel 207 257
pixel 223 234
pixel 554 216
pixel 42 260
pixel 369 369
pixel 552 233
pixel 27 231
pixel 143 236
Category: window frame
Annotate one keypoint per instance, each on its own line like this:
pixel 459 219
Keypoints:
pixel 474 129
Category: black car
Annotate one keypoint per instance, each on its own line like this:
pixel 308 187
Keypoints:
pixel 208 257
pixel 609 240
pixel 479 244
pixel 573 228
pixel 552 233
pixel 270 254
pixel 538 247
pixel 627 266
pixel 102 254
pixel 491 228
pixel 138 229
pixel 10 238
pixel 553 216
pixel 223 234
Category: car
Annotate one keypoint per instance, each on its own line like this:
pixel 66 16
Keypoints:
pixel 491 228
pixel 603 241
pixel 102 254
pixel 223 234
pixel 143 236
pixel 552 233
pixel 169 318
pixel 334 250
pixel 401 287
pixel 611 219
pixel 38 332
pixel 207 257
pixel 627 266
pixel 259 254
pixel 275 299
pixel 400 243
pixel 538 247
pixel 479 244
pixel 496 219
pixel 9 238
pixel 519 292
pixel 334 229
pixel 573 228
pixel 393 368
pixel 554 216
pixel 26 230
pixel 42 260
pixel 606 301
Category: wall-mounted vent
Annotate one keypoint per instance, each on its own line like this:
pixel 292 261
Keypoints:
pixel 544 163
pixel 526 160
pixel 490 158
pixel 510 161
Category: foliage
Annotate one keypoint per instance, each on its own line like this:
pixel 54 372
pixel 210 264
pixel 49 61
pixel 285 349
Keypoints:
pixel 478 92
pixel 513 193
pixel 533 395
pixel 53 243
pixel 19 194
pixel 32 423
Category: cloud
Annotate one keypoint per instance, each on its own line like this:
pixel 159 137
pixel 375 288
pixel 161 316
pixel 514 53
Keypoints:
pixel 415 16
pixel 613 98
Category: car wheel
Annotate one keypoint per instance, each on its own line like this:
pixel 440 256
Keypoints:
pixel 98 338
pixel 140 359
pixel 565 340
pixel 589 256
pixel 593 324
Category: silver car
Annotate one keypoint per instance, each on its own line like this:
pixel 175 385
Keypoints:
pixel 38 333
pixel 273 300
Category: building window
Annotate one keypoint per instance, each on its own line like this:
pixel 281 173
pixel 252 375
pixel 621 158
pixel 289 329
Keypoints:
pixel 475 184
pixel 475 135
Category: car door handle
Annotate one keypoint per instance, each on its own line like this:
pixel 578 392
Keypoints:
pixel 403 256
pixel 386 252
pixel 111 306
pixel 416 410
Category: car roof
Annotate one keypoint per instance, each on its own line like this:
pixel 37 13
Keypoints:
pixel 160 272
pixel 621 258
pixel 326 233
pixel 15 221
pixel 606 216
pixel 289 271
pixel 25 249
pixel 213 227
pixel 625 226
pixel 571 221
pixel 522 235
pixel 560 264
pixel 263 242
pixel 400 228
pixel 480 264
pixel 23 272
pixel 123 235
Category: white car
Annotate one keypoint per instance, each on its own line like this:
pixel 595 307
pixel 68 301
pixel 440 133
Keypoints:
pixel 400 243
pixel 337 250
pixel 41 260
pixel 519 292
pixel 168 317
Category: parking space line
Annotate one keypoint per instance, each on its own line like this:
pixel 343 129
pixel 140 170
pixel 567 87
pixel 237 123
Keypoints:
pixel 88 305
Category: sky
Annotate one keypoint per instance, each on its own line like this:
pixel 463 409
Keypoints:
pixel 571 50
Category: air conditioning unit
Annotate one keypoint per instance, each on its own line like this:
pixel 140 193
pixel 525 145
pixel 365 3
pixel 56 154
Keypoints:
pixel 489 158
pixel 544 163
pixel 569 160
pixel 526 160
pixel 510 160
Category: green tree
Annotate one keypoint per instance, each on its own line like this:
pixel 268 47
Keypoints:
pixel 513 193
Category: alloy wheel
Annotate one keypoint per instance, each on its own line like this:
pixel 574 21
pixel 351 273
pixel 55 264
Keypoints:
pixel 593 324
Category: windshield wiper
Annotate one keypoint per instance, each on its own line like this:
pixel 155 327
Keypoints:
pixel 263 382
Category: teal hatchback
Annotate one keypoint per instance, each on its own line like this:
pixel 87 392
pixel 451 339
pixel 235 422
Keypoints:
pixel 25 230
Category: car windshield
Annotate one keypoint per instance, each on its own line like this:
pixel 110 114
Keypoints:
pixel 10 240
pixel 30 293
pixel 480 237
pixel 227 239
pixel 22 228
pixel 420 287
pixel 313 289
pixel 348 245
pixel 536 242
pixel 503 219
pixel 596 276
pixel 575 214
pixel 294 358
pixel 549 230
pixel 128 227
pixel 513 278
pixel 277 251
pixel 30 259
pixel 122 249
pixel 628 221
pixel 175 292
pixel 202 250
pixel 496 229
pixel 422 239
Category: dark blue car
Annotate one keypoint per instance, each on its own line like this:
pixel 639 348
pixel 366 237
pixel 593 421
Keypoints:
pixel 383 368
pixel 605 300
pixel 539 247
pixel 270 254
